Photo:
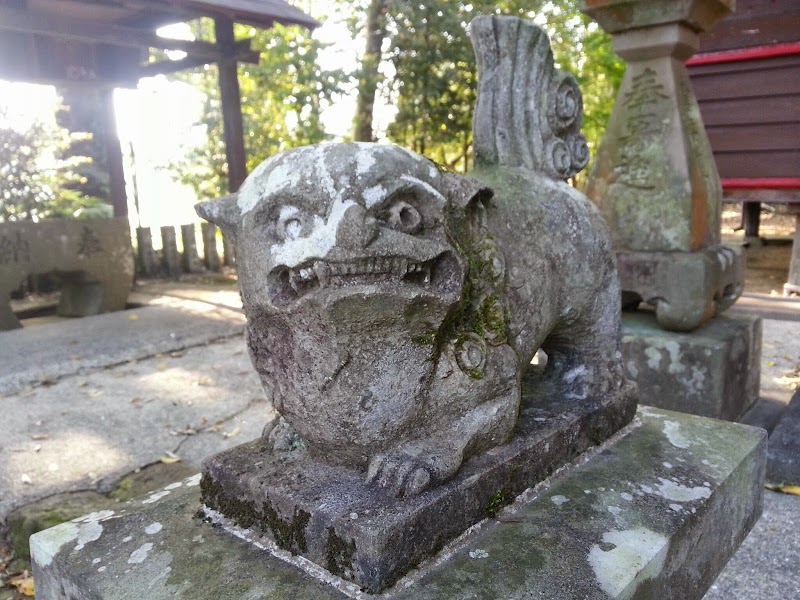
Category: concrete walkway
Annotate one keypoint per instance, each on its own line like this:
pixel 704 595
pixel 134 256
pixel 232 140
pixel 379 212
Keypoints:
pixel 87 401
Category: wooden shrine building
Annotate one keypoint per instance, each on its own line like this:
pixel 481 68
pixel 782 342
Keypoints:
pixel 104 44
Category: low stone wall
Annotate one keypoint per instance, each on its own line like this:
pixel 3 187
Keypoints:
pixel 94 259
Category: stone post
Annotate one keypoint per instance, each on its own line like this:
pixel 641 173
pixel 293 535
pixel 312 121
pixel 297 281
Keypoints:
pixel 654 176
pixel 190 261
pixel 169 252
pixel 228 252
pixel 144 250
pixel 792 285
pixel 211 257
pixel 656 183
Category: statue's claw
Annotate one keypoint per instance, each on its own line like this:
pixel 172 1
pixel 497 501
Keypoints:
pixel 401 474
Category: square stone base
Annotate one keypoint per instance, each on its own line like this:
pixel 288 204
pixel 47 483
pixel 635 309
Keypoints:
pixel 656 513
pixel 714 371
pixel 364 534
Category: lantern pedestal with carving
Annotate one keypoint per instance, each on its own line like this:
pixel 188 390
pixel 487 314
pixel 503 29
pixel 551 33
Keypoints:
pixel 657 185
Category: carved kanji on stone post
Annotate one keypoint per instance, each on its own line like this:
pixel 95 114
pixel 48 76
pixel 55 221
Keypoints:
pixel 654 176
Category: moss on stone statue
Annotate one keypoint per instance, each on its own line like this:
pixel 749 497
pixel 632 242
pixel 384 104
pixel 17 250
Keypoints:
pixel 481 311
pixel 339 554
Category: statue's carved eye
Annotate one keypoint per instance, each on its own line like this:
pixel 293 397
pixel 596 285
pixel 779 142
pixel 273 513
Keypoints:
pixel 292 224
pixel 401 216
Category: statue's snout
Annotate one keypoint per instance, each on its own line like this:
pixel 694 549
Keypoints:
pixel 357 229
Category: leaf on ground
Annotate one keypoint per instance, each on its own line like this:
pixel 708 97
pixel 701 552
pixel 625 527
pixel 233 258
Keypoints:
pixel 133 317
pixel 230 434
pixel 785 489
pixel 162 366
pixel 770 363
pixel 38 437
pixel 136 399
pixel 23 583
pixel 170 458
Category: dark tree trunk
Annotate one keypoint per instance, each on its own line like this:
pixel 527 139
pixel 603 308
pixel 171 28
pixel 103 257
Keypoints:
pixel 369 75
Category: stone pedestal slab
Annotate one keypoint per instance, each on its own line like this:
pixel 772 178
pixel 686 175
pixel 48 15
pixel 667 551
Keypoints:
pixel 656 514
pixel 365 534
pixel 685 288
pixel 713 371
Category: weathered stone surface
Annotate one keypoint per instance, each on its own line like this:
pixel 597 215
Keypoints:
pixel 368 536
pixel 60 508
pixel 656 514
pixel 654 176
pixel 685 288
pixel 93 256
pixel 713 371
pixel 783 458
pixel 392 307
pixel 49 512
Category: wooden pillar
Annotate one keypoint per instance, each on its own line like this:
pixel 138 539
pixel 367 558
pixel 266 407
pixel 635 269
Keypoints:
pixel 751 219
pixel 792 286
pixel 231 116
pixel 231 104
pixel 116 171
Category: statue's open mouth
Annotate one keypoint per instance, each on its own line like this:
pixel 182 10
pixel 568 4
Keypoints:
pixel 291 284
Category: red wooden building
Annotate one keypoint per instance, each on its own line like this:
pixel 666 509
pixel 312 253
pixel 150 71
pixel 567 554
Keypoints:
pixel 747 80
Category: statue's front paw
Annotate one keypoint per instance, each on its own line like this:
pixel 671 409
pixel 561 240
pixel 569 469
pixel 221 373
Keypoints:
pixel 401 474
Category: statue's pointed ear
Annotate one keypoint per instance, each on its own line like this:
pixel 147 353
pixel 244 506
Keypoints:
pixel 223 212
pixel 463 190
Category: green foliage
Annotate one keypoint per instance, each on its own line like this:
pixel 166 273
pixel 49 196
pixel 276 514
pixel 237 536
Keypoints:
pixel 433 87
pixel 282 99
pixel 35 180
pixel 435 83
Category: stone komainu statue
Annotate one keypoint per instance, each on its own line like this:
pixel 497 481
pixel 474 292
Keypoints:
pixel 393 308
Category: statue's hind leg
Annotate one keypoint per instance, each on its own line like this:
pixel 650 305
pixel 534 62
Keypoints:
pixel 583 357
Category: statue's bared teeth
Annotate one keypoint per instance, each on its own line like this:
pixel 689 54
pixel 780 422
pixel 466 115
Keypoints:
pixel 294 280
pixel 322 272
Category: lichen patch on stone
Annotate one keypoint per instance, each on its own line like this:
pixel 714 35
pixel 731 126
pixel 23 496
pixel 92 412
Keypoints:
pixel 559 500
pixel 317 244
pixel 672 430
pixel 680 493
pixel 156 497
pixel 88 532
pixel 192 481
pixel 139 555
pixel 153 528
pixel 46 544
pixel 641 551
